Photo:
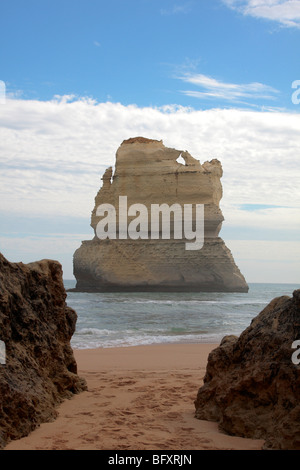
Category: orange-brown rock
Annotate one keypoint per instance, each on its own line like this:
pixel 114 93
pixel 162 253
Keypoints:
pixel 38 370
pixel 252 385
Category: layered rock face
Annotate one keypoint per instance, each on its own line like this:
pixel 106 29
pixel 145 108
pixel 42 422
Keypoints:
pixel 252 383
pixel 147 173
pixel 38 370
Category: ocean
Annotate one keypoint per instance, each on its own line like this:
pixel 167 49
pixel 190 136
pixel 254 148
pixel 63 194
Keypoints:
pixel 130 319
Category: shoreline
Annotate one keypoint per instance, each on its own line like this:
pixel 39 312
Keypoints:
pixel 124 357
pixel 138 398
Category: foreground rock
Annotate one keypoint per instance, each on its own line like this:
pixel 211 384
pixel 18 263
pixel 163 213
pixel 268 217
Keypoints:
pixel 252 386
pixel 148 173
pixel 36 326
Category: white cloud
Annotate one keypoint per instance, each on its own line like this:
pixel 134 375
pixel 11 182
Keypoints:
pixel 37 247
pixel 267 223
pixel 230 92
pixel 267 261
pixel 48 245
pixel 285 12
pixel 53 155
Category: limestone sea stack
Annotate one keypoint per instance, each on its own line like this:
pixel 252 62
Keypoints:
pixel 139 255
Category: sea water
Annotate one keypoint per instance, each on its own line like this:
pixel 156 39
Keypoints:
pixel 129 319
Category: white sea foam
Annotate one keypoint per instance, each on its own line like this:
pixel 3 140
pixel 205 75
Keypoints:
pixel 143 340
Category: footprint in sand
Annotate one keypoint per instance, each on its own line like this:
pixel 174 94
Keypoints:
pixel 85 413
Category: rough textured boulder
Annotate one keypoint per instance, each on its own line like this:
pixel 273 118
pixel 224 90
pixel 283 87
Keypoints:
pixel 148 173
pixel 252 385
pixel 36 325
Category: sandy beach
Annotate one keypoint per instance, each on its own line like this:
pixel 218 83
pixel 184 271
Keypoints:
pixel 138 398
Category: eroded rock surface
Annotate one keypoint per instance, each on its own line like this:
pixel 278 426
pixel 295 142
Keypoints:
pixel 252 385
pixel 36 326
pixel 148 173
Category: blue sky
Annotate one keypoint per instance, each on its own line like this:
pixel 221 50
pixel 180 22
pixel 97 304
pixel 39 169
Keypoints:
pixel 213 77
pixel 148 52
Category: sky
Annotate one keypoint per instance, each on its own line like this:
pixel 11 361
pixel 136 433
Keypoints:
pixel 218 78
